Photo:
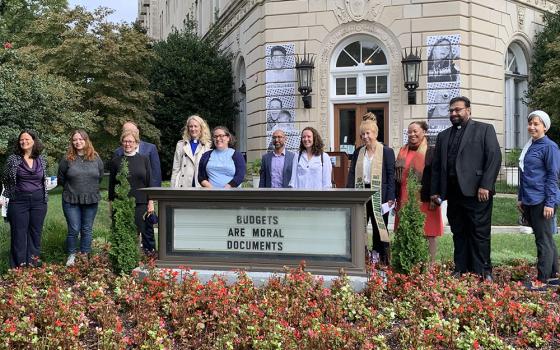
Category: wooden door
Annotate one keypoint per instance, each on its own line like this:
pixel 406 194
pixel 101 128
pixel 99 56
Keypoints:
pixel 347 119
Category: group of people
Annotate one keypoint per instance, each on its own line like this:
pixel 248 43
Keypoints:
pixel 462 168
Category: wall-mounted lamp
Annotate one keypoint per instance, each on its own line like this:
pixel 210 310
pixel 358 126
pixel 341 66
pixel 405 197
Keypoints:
pixel 411 72
pixel 242 89
pixel 304 68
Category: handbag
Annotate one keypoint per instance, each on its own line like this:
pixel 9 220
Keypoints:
pixel 4 202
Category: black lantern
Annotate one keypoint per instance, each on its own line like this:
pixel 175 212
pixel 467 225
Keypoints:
pixel 304 68
pixel 411 73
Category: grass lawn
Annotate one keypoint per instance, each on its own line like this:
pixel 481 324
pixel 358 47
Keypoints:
pixel 504 212
pixel 53 244
pixel 506 247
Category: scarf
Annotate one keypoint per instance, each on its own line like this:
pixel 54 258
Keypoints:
pixel 376 182
pixel 546 121
pixel 417 162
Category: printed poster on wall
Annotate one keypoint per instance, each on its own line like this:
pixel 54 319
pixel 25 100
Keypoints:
pixel 280 91
pixel 444 79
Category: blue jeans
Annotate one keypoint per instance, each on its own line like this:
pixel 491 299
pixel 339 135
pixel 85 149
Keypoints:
pixel 80 219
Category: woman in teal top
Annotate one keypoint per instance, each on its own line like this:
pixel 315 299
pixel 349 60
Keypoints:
pixel 223 166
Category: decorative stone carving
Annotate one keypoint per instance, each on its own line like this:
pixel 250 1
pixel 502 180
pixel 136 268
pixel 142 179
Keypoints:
pixel 545 5
pixel 394 56
pixel 358 10
pixel 234 16
pixel 521 15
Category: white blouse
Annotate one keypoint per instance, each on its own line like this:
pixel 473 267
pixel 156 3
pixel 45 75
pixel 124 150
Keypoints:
pixel 311 173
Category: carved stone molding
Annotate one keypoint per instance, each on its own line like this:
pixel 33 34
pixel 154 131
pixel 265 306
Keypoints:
pixel 235 13
pixel 358 10
pixel 545 5
pixel 521 15
pixel 394 56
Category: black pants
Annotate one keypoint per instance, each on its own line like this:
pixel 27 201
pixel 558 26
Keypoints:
pixel 547 254
pixel 470 222
pixel 381 247
pixel 146 229
pixel 26 214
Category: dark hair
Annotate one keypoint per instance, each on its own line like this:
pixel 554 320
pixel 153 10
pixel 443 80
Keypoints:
pixel 438 43
pixel 278 48
pixel 420 123
pixel 37 144
pixel 232 139
pixel 275 99
pixel 461 98
pixel 318 145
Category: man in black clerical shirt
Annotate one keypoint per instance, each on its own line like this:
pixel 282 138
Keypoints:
pixel 464 170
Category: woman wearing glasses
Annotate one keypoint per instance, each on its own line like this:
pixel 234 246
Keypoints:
pixel 223 166
pixel 139 175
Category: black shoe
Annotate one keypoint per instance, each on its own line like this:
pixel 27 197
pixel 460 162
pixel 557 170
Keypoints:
pixel 553 282
pixel 456 274
pixel 488 277
pixel 536 286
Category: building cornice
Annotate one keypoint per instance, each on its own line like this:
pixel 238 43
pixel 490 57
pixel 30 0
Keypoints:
pixel 543 5
pixel 233 15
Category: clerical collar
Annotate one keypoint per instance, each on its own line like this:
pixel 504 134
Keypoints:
pixel 462 125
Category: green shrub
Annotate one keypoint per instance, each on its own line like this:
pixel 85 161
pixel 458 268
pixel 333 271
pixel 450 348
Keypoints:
pixel 409 247
pixel 512 157
pixel 124 240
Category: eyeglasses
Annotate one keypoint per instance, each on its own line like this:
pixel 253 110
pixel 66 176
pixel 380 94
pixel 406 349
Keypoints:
pixel 277 137
pixel 215 137
pixel 128 142
pixel 456 110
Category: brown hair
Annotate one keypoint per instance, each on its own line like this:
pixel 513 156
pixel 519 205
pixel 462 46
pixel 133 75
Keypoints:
pixel 317 146
pixel 232 140
pixel 89 150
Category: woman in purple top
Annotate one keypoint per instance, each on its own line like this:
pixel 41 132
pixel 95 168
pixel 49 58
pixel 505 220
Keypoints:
pixel 24 179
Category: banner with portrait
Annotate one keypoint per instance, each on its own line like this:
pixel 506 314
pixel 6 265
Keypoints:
pixel 444 79
pixel 280 90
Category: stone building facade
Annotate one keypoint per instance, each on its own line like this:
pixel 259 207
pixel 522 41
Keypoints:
pixel 477 48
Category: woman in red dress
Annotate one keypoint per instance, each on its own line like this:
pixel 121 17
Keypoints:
pixel 417 155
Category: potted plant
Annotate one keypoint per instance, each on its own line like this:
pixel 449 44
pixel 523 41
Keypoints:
pixel 511 166
pixel 254 168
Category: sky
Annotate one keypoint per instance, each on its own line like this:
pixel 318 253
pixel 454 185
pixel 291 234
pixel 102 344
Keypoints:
pixel 125 10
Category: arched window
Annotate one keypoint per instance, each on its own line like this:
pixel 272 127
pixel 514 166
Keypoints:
pixel 516 69
pixel 359 70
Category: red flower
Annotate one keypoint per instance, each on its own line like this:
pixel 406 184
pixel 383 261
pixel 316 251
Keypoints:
pixel 8 45
pixel 76 329
pixel 475 344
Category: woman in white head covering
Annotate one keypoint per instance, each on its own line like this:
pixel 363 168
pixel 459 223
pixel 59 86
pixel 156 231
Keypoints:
pixel 538 195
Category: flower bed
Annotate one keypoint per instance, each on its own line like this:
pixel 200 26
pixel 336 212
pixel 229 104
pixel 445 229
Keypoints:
pixel 87 306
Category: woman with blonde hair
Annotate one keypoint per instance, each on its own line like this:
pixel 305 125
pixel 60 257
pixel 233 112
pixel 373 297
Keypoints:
pixel 195 142
pixel 79 173
pixel 373 166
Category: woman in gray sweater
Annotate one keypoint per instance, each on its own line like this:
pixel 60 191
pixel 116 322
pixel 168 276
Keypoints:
pixel 80 173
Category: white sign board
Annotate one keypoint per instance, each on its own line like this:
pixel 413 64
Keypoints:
pixel 302 231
